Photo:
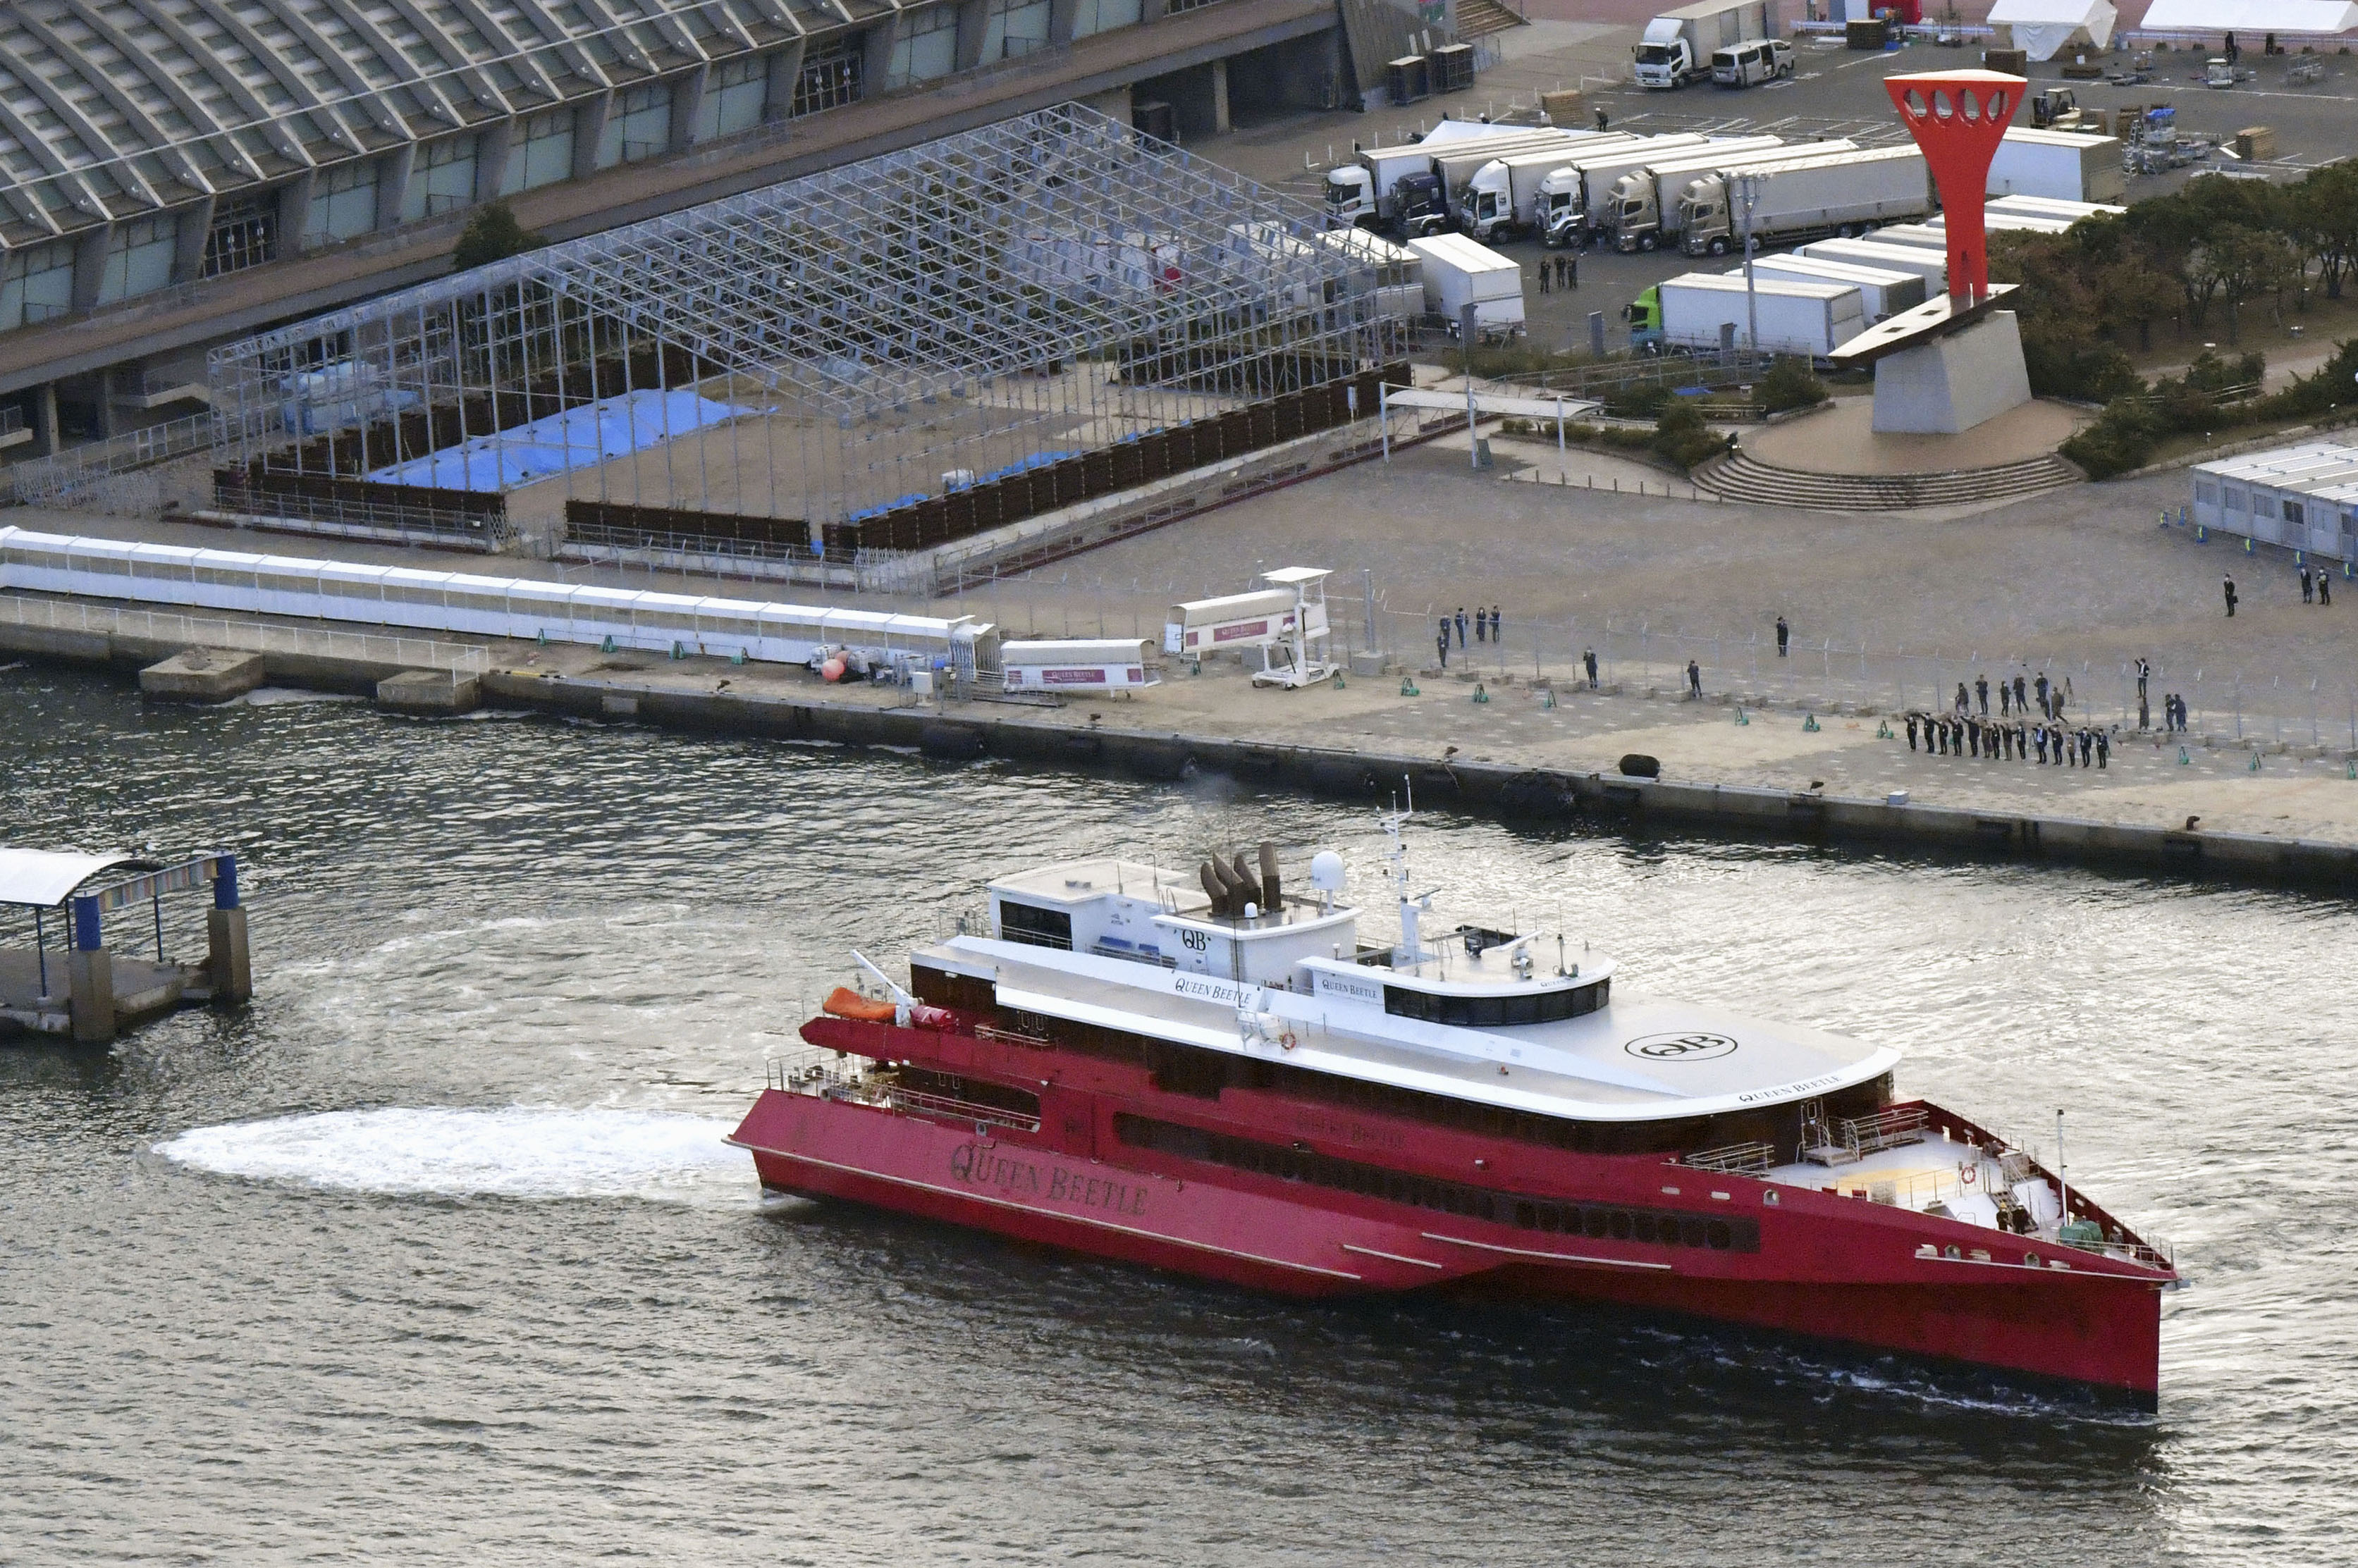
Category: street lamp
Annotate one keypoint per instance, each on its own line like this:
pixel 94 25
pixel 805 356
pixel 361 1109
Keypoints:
pixel 1747 187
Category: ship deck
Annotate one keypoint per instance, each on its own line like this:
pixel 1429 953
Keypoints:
pixel 1636 1059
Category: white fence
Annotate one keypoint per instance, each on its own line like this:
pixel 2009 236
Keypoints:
pixel 199 632
pixel 532 608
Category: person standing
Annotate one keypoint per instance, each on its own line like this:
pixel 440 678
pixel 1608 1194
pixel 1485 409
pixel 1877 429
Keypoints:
pixel 2039 734
pixel 1461 625
pixel 1964 704
pixel 1494 625
pixel 1544 271
pixel 1912 730
pixel 1981 690
pixel 1695 681
pixel 2104 750
pixel 1442 642
pixel 2087 744
pixel 2021 704
pixel 1571 269
pixel 2005 699
pixel 1601 122
pixel 1481 625
pixel 1588 660
pixel 2227 586
pixel 1784 636
pixel 2308 588
pixel 2044 712
pixel 2056 695
pixel 2324 586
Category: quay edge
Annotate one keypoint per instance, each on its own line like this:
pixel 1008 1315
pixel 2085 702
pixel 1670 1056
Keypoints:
pixel 1514 793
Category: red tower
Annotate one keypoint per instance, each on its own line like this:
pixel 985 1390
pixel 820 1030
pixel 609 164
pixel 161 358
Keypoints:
pixel 1958 117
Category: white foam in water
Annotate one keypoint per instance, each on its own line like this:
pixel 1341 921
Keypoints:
pixel 515 1152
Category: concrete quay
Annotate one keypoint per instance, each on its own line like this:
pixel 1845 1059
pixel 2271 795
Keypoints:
pixel 1545 753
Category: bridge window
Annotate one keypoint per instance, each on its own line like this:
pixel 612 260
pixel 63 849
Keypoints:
pixel 1497 1011
pixel 245 234
pixel 1103 16
pixel 139 258
pixel 927 47
pixel 1040 927
pixel 1014 28
pixel 638 126
pixel 541 154
pixel 831 77
pixel 343 203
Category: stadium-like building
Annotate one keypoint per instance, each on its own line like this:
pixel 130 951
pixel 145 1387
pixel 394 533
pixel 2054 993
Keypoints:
pixel 175 173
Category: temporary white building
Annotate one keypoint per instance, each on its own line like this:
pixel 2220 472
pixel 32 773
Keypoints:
pixel 2042 26
pixel 2303 497
pixel 2253 16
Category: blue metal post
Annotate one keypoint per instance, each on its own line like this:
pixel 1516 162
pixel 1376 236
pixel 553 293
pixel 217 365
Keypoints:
pixel 42 947
pixel 87 937
pixel 225 882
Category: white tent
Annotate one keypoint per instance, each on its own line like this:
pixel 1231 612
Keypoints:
pixel 2042 26
pixel 2253 16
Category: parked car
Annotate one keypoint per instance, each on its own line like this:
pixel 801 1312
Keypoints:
pixel 1754 59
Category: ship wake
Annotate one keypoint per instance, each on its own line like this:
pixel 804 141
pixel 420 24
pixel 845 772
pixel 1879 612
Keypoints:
pixel 516 1153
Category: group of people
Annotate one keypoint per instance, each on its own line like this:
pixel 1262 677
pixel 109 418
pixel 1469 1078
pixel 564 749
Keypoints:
pixel 1964 733
pixel 1564 270
pixel 1486 630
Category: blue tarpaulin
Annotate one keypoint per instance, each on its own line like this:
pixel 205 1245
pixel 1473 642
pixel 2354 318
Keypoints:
pixel 578 438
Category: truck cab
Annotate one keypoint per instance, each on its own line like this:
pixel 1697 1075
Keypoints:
pixel 1708 225
pixel 2054 108
pixel 1350 194
pixel 1753 60
pixel 1637 212
pixel 1665 59
pixel 1560 218
pixel 1487 211
pixel 1420 205
pixel 1644 315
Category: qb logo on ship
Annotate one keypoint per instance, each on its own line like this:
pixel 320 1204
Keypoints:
pixel 1680 1047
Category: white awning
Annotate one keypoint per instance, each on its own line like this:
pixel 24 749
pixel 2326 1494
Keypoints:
pixel 1520 407
pixel 2043 26
pixel 42 878
pixel 2250 16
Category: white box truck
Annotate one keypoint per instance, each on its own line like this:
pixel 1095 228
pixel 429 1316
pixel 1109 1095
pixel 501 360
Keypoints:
pixel 1797 316
pixel 1367 191
pixel 1594 170
pixel 1802 198
pixel 1924 234
pixel 2049 207
pixel 1458 273
pixel 1510 196
pixel 1400 273
pixel 1631 207
pixel 1456 166
pixel 2061 164
pixel 1881 290
pixel 1931 265
pixel 1677 46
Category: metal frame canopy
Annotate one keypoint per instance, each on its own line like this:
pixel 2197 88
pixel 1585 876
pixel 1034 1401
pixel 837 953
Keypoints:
pixel 825 349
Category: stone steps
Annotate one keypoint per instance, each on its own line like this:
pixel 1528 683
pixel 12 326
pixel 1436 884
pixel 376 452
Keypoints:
pixel 1740 477
pixel 1478 18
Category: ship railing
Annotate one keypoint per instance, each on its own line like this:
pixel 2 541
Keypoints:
pixel 1754 1159
pixel 1855 1137
pixel 831 1074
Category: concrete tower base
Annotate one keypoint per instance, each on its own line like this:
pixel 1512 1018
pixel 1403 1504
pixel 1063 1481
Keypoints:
pixel 1952 382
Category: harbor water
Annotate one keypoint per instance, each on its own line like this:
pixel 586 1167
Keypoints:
pixel 435 1254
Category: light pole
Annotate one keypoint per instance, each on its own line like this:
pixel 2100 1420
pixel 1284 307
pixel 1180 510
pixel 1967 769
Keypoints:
pixel 1749 187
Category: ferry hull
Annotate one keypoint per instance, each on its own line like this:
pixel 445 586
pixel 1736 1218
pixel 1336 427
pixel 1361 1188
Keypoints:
pixel 2095 1330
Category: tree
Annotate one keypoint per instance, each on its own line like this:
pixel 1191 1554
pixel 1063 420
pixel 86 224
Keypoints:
pixel 492 234
pixel 2240 264
pixel 2322 214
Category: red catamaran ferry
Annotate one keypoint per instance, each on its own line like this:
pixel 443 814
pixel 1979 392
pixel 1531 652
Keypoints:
pixel 1218 1075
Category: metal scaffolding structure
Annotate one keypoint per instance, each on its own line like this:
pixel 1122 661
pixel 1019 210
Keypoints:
pixel 828 349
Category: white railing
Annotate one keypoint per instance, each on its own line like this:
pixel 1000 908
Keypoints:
pixel 830 1074
pixel 248 636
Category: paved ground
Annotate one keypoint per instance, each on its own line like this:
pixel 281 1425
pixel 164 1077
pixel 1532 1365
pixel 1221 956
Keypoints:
pixel 1842 439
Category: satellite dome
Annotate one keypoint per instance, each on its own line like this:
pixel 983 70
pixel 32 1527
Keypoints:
pixel 1326 872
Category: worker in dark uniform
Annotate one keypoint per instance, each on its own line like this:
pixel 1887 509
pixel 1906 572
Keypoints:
pixel 1784 636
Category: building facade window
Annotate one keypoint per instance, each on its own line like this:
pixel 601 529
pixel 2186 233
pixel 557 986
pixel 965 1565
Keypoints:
pixel 1103 16
pixel 638 126
pixel 245 234
pixel 736 95
pixel 1014 28
pixel 138 259
pixel 343 203
pixel 441 180
pixel 541 153
pixel 927 47
pixel 36 284
pixel 831 77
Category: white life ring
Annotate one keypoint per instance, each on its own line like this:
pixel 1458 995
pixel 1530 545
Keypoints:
pixel 1965 1177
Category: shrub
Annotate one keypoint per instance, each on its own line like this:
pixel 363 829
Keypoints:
pixel 1681 437
pixel 1790 385
pixel 2122 438
pixel 2090 374
pixel 493 235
